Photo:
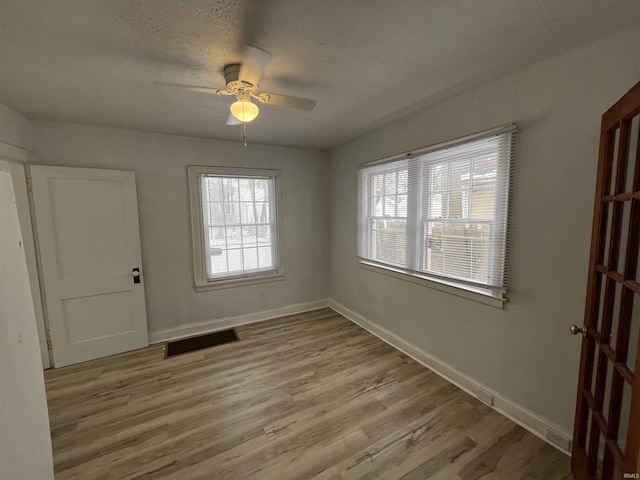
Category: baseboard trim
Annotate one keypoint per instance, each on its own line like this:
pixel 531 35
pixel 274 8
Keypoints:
pixel 517 413
pixel 209 326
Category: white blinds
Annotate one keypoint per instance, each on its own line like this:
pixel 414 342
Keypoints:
pixel 239 224
pixel 442 212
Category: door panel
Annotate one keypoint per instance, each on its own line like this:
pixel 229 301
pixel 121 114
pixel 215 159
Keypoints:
pixel 91 237
pixel 88 235
pixel 112 314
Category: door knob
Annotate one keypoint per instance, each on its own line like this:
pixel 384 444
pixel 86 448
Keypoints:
pixel 574 329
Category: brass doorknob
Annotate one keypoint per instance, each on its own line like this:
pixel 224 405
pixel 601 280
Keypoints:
pixel 574 329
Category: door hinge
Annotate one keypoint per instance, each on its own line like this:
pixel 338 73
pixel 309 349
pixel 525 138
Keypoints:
pixel 49 345
pixel 29 184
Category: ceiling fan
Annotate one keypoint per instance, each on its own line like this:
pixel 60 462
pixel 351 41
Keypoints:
pixel 242 81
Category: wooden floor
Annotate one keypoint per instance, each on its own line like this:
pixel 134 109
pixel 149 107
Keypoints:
pixel 309 396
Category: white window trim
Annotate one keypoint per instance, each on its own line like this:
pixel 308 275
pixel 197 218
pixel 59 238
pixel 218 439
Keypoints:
pixel 201 282
pixel 468 293
pixel 460 289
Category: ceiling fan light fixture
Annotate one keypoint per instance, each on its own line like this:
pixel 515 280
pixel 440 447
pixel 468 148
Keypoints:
pixel 245 111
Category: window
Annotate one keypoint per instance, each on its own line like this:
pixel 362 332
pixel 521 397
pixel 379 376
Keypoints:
pixel 441 213
pixel 235 225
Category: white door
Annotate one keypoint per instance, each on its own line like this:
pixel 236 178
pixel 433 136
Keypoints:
pixel 87 229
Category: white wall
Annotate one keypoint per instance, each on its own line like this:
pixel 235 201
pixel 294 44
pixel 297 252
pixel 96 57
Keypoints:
pixel 523 352
pixel 25 444
pixel 160 163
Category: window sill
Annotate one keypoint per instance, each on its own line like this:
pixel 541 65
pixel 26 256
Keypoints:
pixel 238 282
pixel 464 292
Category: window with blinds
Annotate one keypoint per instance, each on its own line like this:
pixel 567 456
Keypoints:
pixel 234 213
pixel 238 226
pixel 441 213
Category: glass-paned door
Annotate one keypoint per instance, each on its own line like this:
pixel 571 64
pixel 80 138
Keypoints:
pixel 607 424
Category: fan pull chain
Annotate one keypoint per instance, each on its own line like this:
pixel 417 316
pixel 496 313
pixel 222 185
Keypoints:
pixel 244 133
pixel 244 126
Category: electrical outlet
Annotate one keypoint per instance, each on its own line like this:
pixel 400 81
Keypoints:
pixel 263 299
pixel 484 396
pixel 559 439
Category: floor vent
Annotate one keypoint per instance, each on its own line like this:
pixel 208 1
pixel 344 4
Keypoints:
pixel 192 344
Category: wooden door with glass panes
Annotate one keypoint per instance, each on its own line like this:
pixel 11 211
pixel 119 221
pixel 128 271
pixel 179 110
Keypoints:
pixel 606 437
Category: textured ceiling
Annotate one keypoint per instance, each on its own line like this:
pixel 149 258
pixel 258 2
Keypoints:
pixel 364 61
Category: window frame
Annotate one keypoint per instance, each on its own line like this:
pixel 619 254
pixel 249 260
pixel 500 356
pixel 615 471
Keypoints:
pixel 417 218
pixel 201 280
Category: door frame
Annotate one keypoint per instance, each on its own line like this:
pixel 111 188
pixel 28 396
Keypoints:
pixel 15 159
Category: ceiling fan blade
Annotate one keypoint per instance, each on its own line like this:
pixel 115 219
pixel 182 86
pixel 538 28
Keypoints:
pixel 231 120
pixel 287 101
pixel 253 64
pixel 219 91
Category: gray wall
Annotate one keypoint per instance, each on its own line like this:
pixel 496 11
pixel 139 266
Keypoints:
pixel 523 352
pixel 160 163
pixel 25 444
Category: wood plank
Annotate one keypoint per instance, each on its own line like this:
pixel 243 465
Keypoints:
pixel 307 396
